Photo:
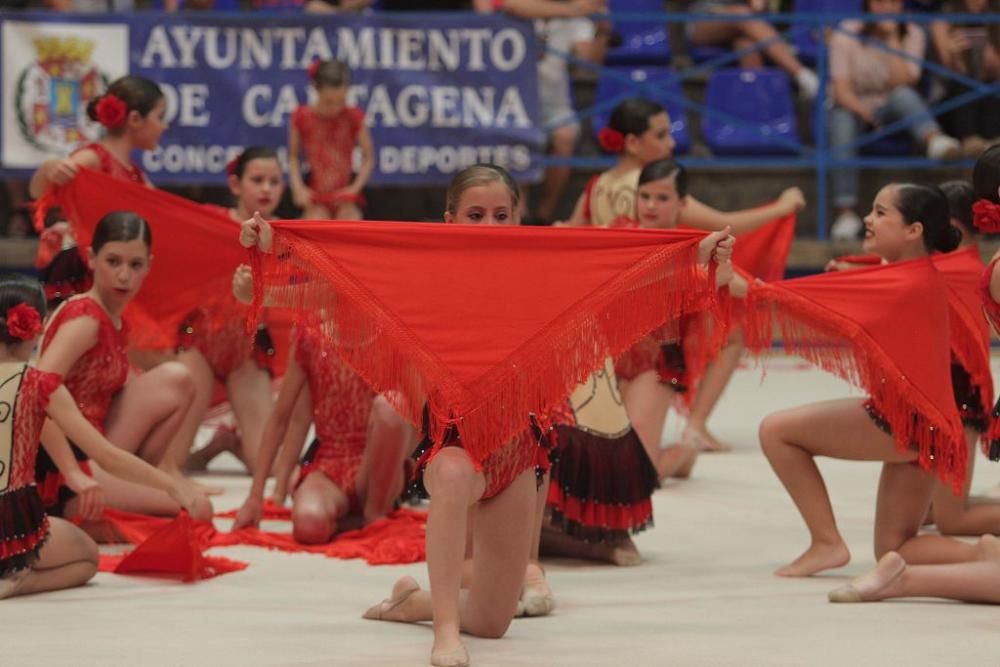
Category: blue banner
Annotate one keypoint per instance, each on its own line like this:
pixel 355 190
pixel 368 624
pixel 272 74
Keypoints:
pixel 439 91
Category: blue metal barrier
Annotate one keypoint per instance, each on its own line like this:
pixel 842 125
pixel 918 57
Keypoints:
pixel 820 158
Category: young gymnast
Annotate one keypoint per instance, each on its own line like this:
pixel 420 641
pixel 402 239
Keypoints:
pixel 504 491
pixel 638 132
pixel 37 552
pixel 907 222
pixel 86 343
pixel 327 131
pixel 212 342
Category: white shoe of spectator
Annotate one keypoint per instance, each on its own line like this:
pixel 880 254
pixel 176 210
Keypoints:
pixel 943 147
pixel 808 83
pixel 847 227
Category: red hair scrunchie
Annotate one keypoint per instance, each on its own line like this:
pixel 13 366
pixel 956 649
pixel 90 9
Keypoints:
pixel 611 140
pixel 23 322
pixel 986 216
pixel 111 111
pixel 314 69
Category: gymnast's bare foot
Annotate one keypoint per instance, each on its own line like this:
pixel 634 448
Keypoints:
pixel 817 557
pixel 988 548
pixel 875 585
pixel 676 461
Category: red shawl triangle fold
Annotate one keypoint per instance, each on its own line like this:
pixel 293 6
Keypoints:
pixel 884 329
pixel 175 549
pixel 970 333
pixel 195 252
pixel 485 324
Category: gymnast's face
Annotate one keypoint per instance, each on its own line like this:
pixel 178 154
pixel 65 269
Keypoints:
pixel 658 204
pixel 259 188
pixel 487 204
pixel 656 143
pixel 886 232
pixel 119 269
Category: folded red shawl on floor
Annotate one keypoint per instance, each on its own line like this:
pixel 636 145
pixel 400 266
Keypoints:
pixel 884 329
pixel 195 252
pixel 175 547
pixel 484 324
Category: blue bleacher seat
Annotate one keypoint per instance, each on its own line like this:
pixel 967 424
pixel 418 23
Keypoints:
pixel 700 54
pixel 805 38
pixel 643 42
pixel 612 86
pixel 761 97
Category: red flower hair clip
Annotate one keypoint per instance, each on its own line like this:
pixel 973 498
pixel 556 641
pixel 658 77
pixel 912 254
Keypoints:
pixel 23 322
pixel 111 111
pixel 314 69
pixel 986 216
pixel 231 166
pixel 611 140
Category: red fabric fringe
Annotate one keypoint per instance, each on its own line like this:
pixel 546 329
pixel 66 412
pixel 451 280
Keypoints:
pixel 397 539
pixel 884 329
pixel 489 323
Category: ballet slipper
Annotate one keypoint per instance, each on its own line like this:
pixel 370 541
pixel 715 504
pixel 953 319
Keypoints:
pixel 537 600
pixel 867 587
pixel 457 657
pixel 386 607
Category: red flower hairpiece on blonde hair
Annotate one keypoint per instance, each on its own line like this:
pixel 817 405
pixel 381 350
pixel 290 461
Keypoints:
pixel 111 111
pixel 23 322
pixel 611 140
pixel 986 216
pixel 231 166
pixel 314 69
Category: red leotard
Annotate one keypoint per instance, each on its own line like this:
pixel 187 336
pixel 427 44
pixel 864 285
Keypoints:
pixel 329 144
pixel 341 406
pixel 94 379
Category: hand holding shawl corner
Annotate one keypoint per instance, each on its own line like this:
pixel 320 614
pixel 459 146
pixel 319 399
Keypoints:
pixel 256 232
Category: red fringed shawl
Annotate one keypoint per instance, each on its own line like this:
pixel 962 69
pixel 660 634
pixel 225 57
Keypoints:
pixel 884 329
pixel 484 324
pixel 760 254
pixel 763 253
pixel 970 333
pixel 195 252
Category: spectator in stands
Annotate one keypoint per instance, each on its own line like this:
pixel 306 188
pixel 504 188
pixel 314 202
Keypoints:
pixel 742 32
pixel 971 50
pixel 563 28
pixel 871 87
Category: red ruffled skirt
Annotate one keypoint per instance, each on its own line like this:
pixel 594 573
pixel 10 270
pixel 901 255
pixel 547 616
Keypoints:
pixel 23 529
pixel 602 486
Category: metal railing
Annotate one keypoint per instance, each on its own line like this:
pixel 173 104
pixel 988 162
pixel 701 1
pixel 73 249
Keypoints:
pixel 821 157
